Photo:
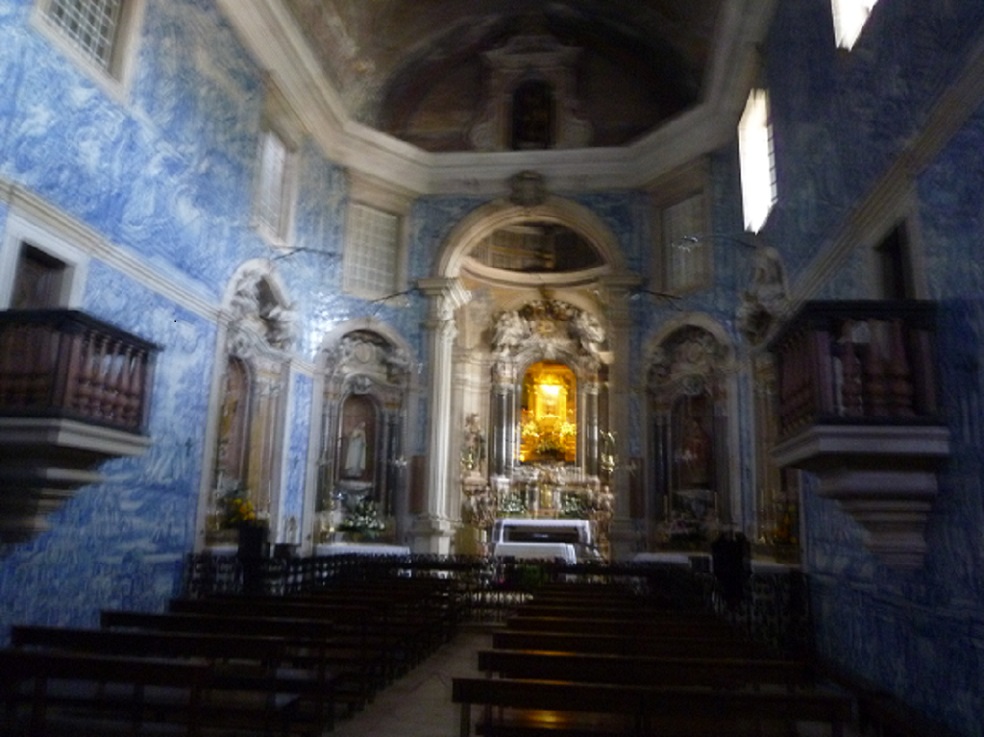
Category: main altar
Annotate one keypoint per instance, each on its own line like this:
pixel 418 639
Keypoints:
pixel 548 457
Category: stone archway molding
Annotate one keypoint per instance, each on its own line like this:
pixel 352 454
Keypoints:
pixel 501 213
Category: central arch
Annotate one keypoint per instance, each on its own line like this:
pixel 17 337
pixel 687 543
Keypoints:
pixel 501 213
pixel 477 379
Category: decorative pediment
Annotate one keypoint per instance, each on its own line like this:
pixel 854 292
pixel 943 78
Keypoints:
pixel 260 323
pixel 369 356
pixel 549 329
pixel 685 360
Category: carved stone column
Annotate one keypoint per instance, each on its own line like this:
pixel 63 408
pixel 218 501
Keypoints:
pixel 502 453
pixel 618 288
pixel 434 528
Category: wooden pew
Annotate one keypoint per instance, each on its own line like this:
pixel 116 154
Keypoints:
pixel 664 627
pixel 620 644
pixel 387 644
pixel 610 610
pixel 355 681
pixel 273 680
pixel 531 708
pixel 126 690
pixel 602 668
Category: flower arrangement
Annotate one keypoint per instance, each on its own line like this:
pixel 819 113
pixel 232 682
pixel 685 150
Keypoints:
pixel 364 519
pixel 237 509
pixel 784 532
pixel 573 506
pixel 513 504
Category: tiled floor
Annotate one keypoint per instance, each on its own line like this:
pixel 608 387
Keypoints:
pixel 419 704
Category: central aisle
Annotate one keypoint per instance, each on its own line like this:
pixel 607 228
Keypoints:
pixel 419 703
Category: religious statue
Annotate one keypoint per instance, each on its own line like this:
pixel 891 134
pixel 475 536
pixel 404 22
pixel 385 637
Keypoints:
pixel 473 448
pixel 608 458
pixel 694 456
pixel 588 331
pixel 766 299
pixel 510 331
pixel 355 453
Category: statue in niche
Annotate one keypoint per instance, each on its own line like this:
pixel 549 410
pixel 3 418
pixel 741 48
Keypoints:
pixel 473 448
pixel 694 456
pixel 355 453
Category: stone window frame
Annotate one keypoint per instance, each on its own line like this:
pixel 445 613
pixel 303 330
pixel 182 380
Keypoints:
pixel 278 122
pixel 115 73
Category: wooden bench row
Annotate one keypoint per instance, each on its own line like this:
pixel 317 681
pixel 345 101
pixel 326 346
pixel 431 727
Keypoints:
pixel 636 710
pixel 598 670
pixel 246 663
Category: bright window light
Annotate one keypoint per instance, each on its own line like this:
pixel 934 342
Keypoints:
pixel 757 162
pixel 849 18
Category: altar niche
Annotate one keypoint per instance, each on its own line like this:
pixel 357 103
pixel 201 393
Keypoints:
pixel 361 465
pixel 548 414
pixel 689 459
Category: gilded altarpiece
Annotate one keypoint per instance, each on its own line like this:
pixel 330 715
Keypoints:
pixel 549 369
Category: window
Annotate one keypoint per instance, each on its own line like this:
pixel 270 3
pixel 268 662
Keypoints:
pixel 273 200
pixel 98 33
pixel 372 252
pixel 91 24
pixel 41 267
pixel 849 19
pixel 281 134
pixel 757 160
pixel 38 280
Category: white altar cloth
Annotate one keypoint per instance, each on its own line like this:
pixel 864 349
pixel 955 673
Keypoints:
pixel 361 549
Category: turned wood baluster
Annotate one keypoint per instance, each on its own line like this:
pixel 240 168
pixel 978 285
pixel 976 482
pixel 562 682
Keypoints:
pixel 129 389
pixel 876 387
pixel 805 407
pixel 788 385
pixel 923 377
pixel 821 370
pixel 110 366
pixel 900 389
pixel 9 389
pixel 124 360
pixel 84 372
pixel 801 389
pixel 851 374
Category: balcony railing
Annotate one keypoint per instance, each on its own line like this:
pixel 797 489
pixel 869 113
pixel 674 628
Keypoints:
pixel 74 392
pixel 66 364
pixel 859 407
pixel 857 363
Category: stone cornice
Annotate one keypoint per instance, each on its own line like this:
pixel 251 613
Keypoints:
pixel 155 276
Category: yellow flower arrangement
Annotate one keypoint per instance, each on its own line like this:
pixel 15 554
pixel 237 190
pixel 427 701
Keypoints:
pixel 239 510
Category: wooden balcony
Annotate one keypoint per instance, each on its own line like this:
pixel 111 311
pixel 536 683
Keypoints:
pixel 859 407
pixel 74 391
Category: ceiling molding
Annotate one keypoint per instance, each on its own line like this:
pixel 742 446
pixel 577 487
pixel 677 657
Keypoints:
pixel 270 33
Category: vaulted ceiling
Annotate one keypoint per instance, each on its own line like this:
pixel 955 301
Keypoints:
pixel 417 69
pixel 415 92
